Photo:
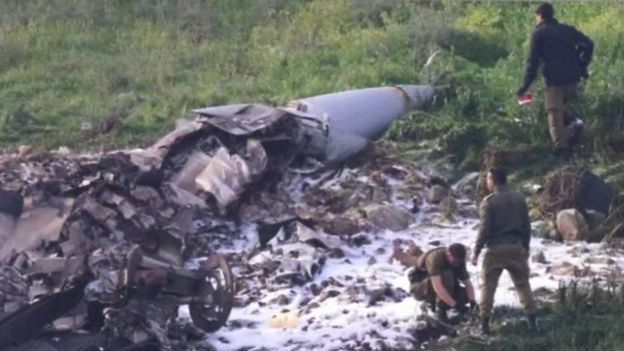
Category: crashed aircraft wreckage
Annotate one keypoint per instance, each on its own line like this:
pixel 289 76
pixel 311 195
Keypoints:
pixel 331 127
pixel 105 244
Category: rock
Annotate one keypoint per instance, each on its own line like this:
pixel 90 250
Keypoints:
pixel 360 240
pixel 379 294
pixel 280 300
pixel 599 260
pixel 578 251
pixel 388 216
pixel 572 225
pixel 449 207
pixel 379 195
pixel 594 218
pixel 598 233
pixel 315 289
pixel 341 226
pixel 544 294
pixel 564 268
pixel 24 150
pixel 468 184
pixel 539 258
pixel 594 193
pixel 437 193
pixel 326 294
pixel 336 253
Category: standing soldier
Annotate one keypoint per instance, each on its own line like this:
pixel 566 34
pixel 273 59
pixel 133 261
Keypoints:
pixel 506 232
pixel 565 54
pixel 437 279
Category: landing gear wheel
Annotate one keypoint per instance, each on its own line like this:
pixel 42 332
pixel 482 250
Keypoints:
pixel 217 280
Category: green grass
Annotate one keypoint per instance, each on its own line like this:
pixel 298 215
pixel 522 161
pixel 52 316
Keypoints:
pixel 590 319
pixel 145 63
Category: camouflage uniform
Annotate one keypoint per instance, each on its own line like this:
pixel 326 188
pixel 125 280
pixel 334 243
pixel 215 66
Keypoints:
pixel 506 231
pixel 434 262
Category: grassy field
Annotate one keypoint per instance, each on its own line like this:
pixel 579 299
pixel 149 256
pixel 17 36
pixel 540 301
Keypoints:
pixel 116 73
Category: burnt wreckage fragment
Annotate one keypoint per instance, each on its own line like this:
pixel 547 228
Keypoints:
pixel 104 243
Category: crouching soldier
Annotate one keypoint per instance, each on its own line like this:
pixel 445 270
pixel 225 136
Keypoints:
pixel 441 281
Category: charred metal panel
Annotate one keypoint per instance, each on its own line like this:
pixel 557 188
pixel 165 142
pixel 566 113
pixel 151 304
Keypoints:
pixel 241 119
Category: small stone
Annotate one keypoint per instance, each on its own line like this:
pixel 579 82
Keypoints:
pixel 315 289
pixel 572 225
pixel 599 260
pixel 313 305
pixel 280 300
pixel 336 253
pixel 564 268
pixel 341 226
pixel 388 216
pixel 304 301
pixel 24 150
pixel 235 324
pixel 437 193
pixel 360 240
pixel 539 258
pixel 326 294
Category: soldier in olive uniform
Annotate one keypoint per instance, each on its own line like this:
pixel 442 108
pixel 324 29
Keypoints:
pixel 506 232
pixel 437 280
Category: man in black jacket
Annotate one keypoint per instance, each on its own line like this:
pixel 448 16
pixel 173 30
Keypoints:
pixel 565 54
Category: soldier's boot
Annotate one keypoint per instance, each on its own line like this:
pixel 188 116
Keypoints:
pixel 485 326
pixel 532 322
pixel 441 315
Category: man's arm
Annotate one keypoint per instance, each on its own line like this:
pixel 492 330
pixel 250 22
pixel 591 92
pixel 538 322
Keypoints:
pixel 526 227
pixel 440 290
pixel 532 65
pixel 469 290
pixel 484 229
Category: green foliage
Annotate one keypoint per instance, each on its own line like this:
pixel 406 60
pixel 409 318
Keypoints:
pixel 588 319
pixel 146 63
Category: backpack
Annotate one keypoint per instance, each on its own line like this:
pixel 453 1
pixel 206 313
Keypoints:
pixel 584 48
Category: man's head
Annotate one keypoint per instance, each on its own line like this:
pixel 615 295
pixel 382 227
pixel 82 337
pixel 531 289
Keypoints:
pixel 544 11
pixel 496 176
pixel 456 254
